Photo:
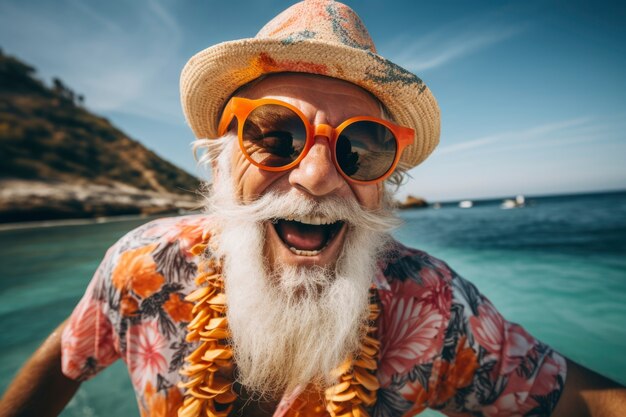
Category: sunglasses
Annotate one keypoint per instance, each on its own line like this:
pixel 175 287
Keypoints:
pixel 276 136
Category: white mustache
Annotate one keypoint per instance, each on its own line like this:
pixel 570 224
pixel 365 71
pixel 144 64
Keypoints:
pixel 273 206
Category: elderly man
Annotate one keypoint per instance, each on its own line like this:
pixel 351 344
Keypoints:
pixel 289 297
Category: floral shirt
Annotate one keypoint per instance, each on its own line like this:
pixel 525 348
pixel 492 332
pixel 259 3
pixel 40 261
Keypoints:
pixel 443 344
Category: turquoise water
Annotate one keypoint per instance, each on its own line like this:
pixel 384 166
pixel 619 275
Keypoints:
pixel 557 266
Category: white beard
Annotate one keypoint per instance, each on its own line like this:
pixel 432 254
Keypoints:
pixel 290 325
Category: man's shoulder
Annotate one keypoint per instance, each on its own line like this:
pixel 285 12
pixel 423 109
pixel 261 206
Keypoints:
pixel 163 245
pixel 185 231
pixel 400 264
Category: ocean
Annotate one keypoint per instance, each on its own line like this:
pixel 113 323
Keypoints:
pixel 556 266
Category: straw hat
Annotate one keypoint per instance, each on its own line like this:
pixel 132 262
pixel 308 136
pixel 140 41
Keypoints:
pixel 317 37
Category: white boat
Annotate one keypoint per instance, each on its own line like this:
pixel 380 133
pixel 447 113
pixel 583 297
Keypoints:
pixel 508 204
pixel 519 201
pixel 466 204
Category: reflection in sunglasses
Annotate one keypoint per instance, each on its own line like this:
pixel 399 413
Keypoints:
pixel 275 136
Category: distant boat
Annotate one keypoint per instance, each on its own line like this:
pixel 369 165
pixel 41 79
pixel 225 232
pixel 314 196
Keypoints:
pixel 466 204
pixel 437 206
pixel 520 201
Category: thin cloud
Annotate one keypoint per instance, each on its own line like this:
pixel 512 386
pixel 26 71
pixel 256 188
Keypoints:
pixel 107 24
pixel 451 42
pixel 549 130
pixel 117 60
pixel 532 160
pixel 164 16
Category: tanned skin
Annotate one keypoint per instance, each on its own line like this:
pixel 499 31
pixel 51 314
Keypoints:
pixel 587 393
pixel 40 388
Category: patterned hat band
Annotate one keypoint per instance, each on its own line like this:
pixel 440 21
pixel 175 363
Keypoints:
pixel 317 37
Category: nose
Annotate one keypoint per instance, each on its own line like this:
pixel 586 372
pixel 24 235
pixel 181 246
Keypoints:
pixel 316 174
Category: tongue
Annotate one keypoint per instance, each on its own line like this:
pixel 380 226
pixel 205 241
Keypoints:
pixel 302 236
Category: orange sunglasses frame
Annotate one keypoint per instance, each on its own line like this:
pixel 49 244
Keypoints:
pixel 240 108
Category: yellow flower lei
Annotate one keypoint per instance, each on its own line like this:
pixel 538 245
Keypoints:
pixel 208 393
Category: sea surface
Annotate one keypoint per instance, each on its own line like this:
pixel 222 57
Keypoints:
pixel 556 266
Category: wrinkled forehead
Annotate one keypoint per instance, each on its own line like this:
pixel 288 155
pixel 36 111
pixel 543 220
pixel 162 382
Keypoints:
pixel 338 99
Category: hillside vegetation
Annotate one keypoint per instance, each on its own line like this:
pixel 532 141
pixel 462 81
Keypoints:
pixel 76 163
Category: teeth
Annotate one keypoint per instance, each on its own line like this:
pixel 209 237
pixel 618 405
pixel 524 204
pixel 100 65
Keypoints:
pixel 314 220
pixel 304 252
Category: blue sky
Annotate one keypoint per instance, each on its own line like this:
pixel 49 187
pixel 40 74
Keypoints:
pixel 532 94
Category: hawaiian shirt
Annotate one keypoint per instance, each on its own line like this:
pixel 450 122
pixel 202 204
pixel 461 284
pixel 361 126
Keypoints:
pixel 443 344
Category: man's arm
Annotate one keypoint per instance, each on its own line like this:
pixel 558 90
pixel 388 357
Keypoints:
pixel 587 393
pixel 40 388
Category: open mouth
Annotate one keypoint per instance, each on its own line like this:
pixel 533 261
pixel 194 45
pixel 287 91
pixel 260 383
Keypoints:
pixel 307 236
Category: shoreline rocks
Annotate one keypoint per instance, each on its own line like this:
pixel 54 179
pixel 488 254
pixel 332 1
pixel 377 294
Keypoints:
pixel 412 202
pixel 34 200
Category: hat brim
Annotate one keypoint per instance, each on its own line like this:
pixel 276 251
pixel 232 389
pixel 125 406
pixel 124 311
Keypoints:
pixel 211 76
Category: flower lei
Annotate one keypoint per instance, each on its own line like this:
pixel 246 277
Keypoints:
pixel 208 393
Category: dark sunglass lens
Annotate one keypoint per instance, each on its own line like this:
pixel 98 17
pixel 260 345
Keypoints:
pixel 366 150
pixel 273 135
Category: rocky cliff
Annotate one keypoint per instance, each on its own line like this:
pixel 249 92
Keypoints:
pixel 58 160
